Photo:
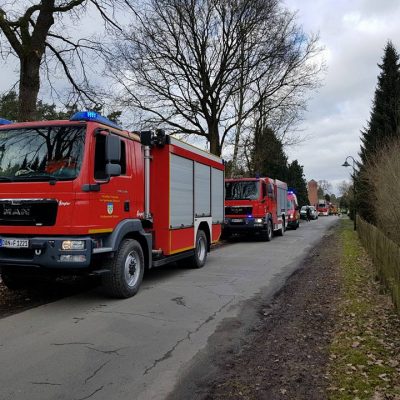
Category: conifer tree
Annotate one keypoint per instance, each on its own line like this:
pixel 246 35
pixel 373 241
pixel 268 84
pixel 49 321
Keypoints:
pixel 297 182
pixel 267 157
pixel 384 122
pixel 383 126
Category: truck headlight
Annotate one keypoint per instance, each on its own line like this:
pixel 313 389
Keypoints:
pixel 73 245
pixel 259 220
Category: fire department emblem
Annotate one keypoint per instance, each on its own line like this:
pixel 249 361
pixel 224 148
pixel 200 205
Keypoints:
pixel 110 208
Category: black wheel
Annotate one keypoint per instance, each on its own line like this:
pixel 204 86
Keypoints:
pixel 267 233
pixel 200 252
pixel 126 270
pixel 281 230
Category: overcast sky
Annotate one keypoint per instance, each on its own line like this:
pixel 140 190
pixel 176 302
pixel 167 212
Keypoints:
pixel 354 34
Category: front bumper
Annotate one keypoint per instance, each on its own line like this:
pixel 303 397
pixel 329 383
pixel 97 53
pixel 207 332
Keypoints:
pixel 242 224
pixel 293 222
pixel 46 252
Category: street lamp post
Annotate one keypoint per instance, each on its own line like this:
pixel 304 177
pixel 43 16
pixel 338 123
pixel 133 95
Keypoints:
pixel 346 164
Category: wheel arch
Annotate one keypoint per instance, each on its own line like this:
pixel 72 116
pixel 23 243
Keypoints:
pixel 132 229
pixel 206 229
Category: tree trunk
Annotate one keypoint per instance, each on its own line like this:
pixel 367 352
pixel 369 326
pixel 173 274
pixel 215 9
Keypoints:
pixel 29 85
pixel 213 137
pixel 240 112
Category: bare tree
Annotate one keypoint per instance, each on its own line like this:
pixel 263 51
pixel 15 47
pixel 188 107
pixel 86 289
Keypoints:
pixel 344 188
pixel 203 66
pixel 325 186
pixel 34 33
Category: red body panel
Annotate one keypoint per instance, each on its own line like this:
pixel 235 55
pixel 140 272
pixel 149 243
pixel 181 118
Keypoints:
pixel 171 241
pixel 216 232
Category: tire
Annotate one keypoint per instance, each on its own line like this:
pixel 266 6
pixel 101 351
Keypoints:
pixel 126 270
pixel 200 252
pixel 281 231
pixel 267 233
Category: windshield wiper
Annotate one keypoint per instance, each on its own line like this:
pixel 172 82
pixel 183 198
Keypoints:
pixel 6 179
pixel 35 176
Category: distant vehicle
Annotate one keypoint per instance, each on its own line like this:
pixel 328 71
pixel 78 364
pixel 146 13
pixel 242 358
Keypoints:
pixel 293 214
pixel 303 212
pixel 333 210
pixel 323 207
pixel 313 212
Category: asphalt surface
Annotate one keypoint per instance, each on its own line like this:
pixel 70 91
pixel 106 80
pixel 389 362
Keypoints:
pixel 90 347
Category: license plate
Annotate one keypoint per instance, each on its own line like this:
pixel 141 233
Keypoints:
pixel 237 220
pixel 14 243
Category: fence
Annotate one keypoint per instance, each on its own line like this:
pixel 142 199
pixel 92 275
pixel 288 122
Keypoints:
pixel 385 255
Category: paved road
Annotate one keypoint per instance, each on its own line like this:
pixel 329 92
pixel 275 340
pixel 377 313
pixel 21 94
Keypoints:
pixel 89 347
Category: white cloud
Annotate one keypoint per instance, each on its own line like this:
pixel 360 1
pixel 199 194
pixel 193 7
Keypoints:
pixel 354 34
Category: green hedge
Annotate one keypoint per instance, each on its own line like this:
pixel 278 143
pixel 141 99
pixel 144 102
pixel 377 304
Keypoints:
pixel 385 255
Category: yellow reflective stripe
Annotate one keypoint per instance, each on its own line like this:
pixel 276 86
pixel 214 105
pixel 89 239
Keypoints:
pixel 103 230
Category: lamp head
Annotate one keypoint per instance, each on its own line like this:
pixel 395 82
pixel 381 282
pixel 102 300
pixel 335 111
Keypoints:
pixel 346 164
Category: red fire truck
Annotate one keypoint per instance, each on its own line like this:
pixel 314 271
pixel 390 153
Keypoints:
pixel 323 207
pixel 86 196
pixel 255 205
pixel 293 213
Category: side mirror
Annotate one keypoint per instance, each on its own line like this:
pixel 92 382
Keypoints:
pixel 113 170
pixel 113 149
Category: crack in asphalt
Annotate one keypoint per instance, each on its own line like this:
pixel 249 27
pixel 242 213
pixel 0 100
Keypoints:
pixel 72 343
pixel 96 371
pixel 106 351
pixel 92 394
pixel 46 383
pixel 187 337
pixel 138 315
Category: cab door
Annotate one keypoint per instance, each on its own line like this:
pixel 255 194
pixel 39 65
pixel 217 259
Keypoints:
pixel 111 204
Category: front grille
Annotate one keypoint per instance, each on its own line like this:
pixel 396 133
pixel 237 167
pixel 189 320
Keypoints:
pixel 26 212
pixel 238 210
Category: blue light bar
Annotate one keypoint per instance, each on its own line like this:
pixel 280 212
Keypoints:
pixel 5 121
pixel 94 117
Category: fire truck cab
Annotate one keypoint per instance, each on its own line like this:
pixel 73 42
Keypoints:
pixel 86 196
pixel 256 205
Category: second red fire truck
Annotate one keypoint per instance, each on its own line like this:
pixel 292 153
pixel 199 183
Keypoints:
pixel 255 205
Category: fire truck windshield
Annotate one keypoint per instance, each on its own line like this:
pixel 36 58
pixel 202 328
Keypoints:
pixel 242 190
pixel 41 154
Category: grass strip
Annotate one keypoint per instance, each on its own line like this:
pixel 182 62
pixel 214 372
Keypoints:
pixel 365 351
